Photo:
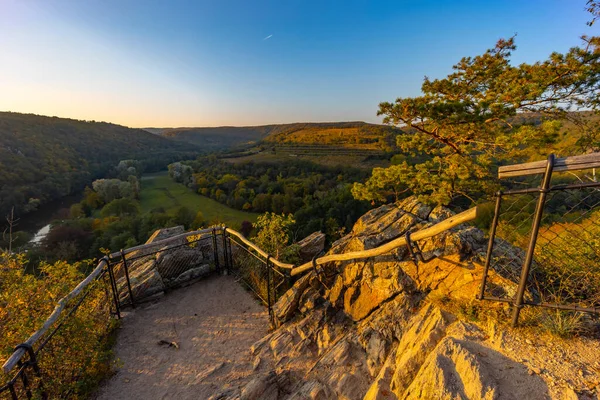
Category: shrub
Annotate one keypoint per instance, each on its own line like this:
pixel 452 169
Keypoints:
pixel 78 355
pixel 564 324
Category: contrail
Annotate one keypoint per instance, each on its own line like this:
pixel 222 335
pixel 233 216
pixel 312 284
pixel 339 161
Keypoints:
pixel 268 37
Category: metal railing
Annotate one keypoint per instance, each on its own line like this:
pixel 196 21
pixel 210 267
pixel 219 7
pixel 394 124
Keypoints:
pixel 547 238
pixel 132 276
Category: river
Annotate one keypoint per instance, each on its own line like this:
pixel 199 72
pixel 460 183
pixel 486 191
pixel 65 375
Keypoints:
pixel 37 223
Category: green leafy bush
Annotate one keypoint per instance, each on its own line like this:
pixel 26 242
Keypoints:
pixel 78 356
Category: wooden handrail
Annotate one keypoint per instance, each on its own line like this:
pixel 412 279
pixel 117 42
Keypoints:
pixel 258 249
pixel 585 161
pixel 16 356
pixel 164 241
pixel 446 224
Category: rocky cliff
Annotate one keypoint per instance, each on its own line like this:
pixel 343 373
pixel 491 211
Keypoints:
pixel 378 328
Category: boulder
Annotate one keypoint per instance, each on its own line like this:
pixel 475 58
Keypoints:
pixel 145 281
pixel 287 304
pixel 311 246
pixel 166 233
pixel 152 270
pixel 190 274
pixel 382 225
pixel 171 263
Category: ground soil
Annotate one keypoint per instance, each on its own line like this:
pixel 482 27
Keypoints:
pixel 213 322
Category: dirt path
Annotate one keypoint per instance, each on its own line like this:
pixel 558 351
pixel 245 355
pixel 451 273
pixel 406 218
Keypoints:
pixel 214 322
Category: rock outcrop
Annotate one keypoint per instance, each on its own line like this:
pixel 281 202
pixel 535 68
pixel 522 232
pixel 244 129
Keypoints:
pixel 311 246
pixel 371 329
pixel 153 270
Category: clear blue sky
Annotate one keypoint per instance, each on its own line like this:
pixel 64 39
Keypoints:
pixel 244 62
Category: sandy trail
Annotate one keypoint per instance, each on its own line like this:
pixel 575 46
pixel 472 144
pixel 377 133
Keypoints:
pixel 214 322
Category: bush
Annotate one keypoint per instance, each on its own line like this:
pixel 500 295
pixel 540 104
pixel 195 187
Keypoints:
pixel 78 356
pixel 564 324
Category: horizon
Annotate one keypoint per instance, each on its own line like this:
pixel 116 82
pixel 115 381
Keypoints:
pixel 210 65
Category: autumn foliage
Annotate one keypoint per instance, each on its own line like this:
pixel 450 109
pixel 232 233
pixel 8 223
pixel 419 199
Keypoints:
pixel 78 356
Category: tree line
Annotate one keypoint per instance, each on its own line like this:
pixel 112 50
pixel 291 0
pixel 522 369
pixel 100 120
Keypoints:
pixel 319 197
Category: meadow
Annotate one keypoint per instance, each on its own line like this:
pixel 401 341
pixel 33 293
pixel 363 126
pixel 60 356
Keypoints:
pixel 160 191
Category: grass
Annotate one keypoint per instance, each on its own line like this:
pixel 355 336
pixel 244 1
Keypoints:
pixel 160 191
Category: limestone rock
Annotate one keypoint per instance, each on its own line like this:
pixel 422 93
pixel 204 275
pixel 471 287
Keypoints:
pixel 171 263
pixel 165 233
pixel 361 299
pixel 190 274
pixel 144 279
pixel 426 329
pixel 365 330
pixel 160 234
pixel 311 246
pixel 313 390
pixel 383 224
pixel 287 304
pixel 460 368
pixel 377 349
pixel 154 269
pixel 349 387
pixel 261 388
pixel 380 388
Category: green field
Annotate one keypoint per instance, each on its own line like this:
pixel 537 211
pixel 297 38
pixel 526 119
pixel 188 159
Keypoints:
pixel 160 191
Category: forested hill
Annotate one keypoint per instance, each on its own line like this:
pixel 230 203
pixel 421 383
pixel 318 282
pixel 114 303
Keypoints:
pixel 45 158
pixel 337 133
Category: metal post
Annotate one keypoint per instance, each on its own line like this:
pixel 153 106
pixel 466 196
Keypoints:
pixel 13 392
pixel 104 278
pixel 127 278
pixel 215 250
pixel 36 369
pixel 539 211
pixel 490 248
pixel 225 259
pixel 268 262
pixel 24 380
pixel 230 253
pixel 113 285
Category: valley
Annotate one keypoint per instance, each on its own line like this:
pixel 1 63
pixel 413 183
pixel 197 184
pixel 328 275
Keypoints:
pixel 160 192
pixel 300 200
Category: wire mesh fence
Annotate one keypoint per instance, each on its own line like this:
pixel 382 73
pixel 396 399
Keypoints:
pixel 256 273
pixel 513 232
pixel 545 241
pixel 141 274
pixel 567 251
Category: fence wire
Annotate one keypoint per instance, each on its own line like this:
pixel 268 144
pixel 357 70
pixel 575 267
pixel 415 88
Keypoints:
pixel 257 273
pixel 567 252
pixel 565 267
pixel 513 233
pixel 141 274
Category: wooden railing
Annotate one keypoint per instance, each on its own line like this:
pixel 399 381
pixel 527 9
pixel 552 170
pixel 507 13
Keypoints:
pixel 585 161
pixel 293 270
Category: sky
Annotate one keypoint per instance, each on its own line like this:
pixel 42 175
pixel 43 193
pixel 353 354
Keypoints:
pixel 148 63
